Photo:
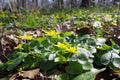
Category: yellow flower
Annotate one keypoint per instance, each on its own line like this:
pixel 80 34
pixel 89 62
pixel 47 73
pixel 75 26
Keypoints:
pixel 14 17
pixel 72 50
pixel 62 46
pixel 20 69
pixel 18 46
pixel 1 23
pixel 114 22
pixel 66 47
pixel 108 18
pixel 52 33
pixel 26 37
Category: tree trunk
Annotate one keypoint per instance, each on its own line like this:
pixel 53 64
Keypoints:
pixel 85 3
pixel 73 3
pixel 35 4
pixel 61 3
pixel 23 3
pixel 36 1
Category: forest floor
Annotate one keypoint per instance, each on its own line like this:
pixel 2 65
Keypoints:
pixel 45 46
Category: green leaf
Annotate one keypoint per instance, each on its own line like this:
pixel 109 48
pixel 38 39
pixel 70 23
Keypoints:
pixel 32 61
pixel 83 57
pixel 62 77
pixel 34 43
pixel 67 33
pixel 30 21
pixel 41 39
pixel 116 47
pixel 26 47
pixel 3 79
pixel 87 66
pixel 88 75
pixel 107 57
pixel 79 57
pixel 113 42
pixel 92 49
pixel 52 56
pixel 45 55
pixel 105 47
pixel 2 67
pixel 45 43
pixel 15 62
pixel 60 59
pixel 91 42
pixel 74 68
pixel 100 41
pixel 88 40
pixel 47 65
pixel 116 62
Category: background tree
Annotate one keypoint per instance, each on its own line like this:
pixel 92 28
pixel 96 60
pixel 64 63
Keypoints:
pixel 59 4
pixel 35 4
pixel 85 3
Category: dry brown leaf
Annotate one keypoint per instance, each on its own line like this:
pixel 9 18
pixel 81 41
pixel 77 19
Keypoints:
pixel 30 74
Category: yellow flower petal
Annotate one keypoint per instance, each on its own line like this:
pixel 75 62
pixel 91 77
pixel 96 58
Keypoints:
pixel 66 47
pixel 51 33
pixel 108 18
pixel 26 37
pixel 61 45
pixel 14 17
pixel 1 23
pixel 114 22
pixel 72 50
pixel 18 46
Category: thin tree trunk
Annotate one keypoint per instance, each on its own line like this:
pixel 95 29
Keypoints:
pixel 85 3
pixel 35 4
pixel 23 3
pixel 36 1
pixel 61 3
